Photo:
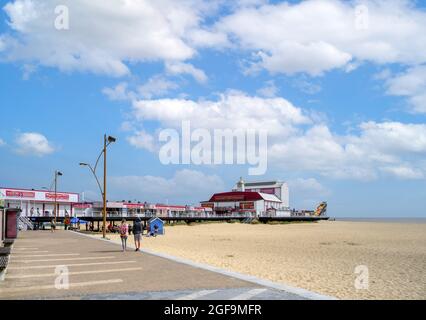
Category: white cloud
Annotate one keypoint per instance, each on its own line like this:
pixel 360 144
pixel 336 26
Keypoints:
pixel 393 137
pixel 32 143
pixel 313 36
pixel 306 86
pixel 186 68
pixel 119 92
pixel 316 36
pixel 103 36
pixel 298 140
pixel 233 110
pixel 189 185
pixel 27 71
pixel 404 172
pixel 270 90
pixel 156 86
pixel 2 143
pixel 308 187
pixel 375 148
pixel 201 38
pixel 143 140
pixel 410 84
pixel 2 43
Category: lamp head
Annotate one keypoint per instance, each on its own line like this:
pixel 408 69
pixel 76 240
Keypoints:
pixel 111 139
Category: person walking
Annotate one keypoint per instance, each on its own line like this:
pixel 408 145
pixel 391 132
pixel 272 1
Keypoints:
pixel 67 222
pixel 52 225
pixel 137 233
pixel 124 232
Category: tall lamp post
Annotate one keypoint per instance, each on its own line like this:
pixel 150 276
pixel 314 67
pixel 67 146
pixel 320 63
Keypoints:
pixel 57 174
pixel 107 141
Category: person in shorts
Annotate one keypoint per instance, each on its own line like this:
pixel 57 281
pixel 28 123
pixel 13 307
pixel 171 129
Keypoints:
pixel 137 233
pixel 124 233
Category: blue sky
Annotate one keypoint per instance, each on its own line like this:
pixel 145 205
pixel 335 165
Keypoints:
pixel 343 99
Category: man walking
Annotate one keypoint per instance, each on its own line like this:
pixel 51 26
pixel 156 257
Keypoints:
pixel 137 233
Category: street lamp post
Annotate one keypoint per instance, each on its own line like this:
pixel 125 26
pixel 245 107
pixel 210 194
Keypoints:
pixel 107 141
pixel 57 173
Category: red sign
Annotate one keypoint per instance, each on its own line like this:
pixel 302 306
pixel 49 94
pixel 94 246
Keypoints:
pixel 247 205
pixel 134 205
pixel 207 205
pixel 20 194
pixel 268 190
pixel 59 196
pixel 82 206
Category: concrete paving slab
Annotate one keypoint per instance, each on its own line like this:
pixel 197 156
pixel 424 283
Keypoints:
pixel 100 270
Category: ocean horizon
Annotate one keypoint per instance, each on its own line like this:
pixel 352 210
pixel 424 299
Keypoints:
pixel 382 219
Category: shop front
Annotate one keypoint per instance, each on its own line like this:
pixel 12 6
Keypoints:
pixel 38 203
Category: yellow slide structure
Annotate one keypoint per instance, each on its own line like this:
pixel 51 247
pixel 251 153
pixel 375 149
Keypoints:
pixel 321 209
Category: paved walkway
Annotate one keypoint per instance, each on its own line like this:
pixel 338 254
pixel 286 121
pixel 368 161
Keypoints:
pixel 99 270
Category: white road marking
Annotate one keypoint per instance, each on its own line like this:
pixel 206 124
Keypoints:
pixel 196 295
pixel 45 275
pixel 28 252
pixel 72 285
pixel 69 265
pixel 65 259
pixel 44 255
pixel 249 294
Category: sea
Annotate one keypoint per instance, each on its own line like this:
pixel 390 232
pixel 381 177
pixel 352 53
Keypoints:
pixel 380 219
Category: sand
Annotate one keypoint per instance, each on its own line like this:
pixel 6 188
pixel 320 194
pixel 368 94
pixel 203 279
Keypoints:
pixel 321 257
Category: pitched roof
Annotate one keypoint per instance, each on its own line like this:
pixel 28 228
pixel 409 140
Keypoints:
pixel 242 196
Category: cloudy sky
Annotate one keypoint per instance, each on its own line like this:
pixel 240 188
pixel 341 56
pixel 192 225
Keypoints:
pixel 339 85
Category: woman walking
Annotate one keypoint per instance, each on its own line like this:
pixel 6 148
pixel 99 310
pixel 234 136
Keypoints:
pixel 124 233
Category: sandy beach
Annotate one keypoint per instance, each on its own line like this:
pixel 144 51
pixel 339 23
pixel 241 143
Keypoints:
pixel 321 257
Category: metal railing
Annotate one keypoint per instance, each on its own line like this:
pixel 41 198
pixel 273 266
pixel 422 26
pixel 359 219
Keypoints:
pixel 24 223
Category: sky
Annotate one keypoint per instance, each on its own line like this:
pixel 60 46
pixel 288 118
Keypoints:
pixel 339 87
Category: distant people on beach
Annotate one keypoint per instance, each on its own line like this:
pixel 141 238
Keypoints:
pixel 32 212
pixel 137 233
pixel 52 225
pixel 124 232
pixel 38 212
pixel 153 232
pixel 67 222
pixel 130 229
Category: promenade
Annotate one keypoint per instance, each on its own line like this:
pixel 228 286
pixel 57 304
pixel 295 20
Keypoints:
pixel 100 270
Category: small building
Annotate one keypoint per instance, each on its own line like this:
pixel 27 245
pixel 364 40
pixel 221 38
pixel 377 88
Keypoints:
pixel 243 203
pixel 251 199
pixel 2 221
pixel 38 203
pixel 124 209
pixel 156 224
pixel 278 188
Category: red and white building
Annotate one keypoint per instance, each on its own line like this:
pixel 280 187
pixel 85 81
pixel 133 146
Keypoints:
pixel 39 203
pixel 252 199
pixel 132 209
